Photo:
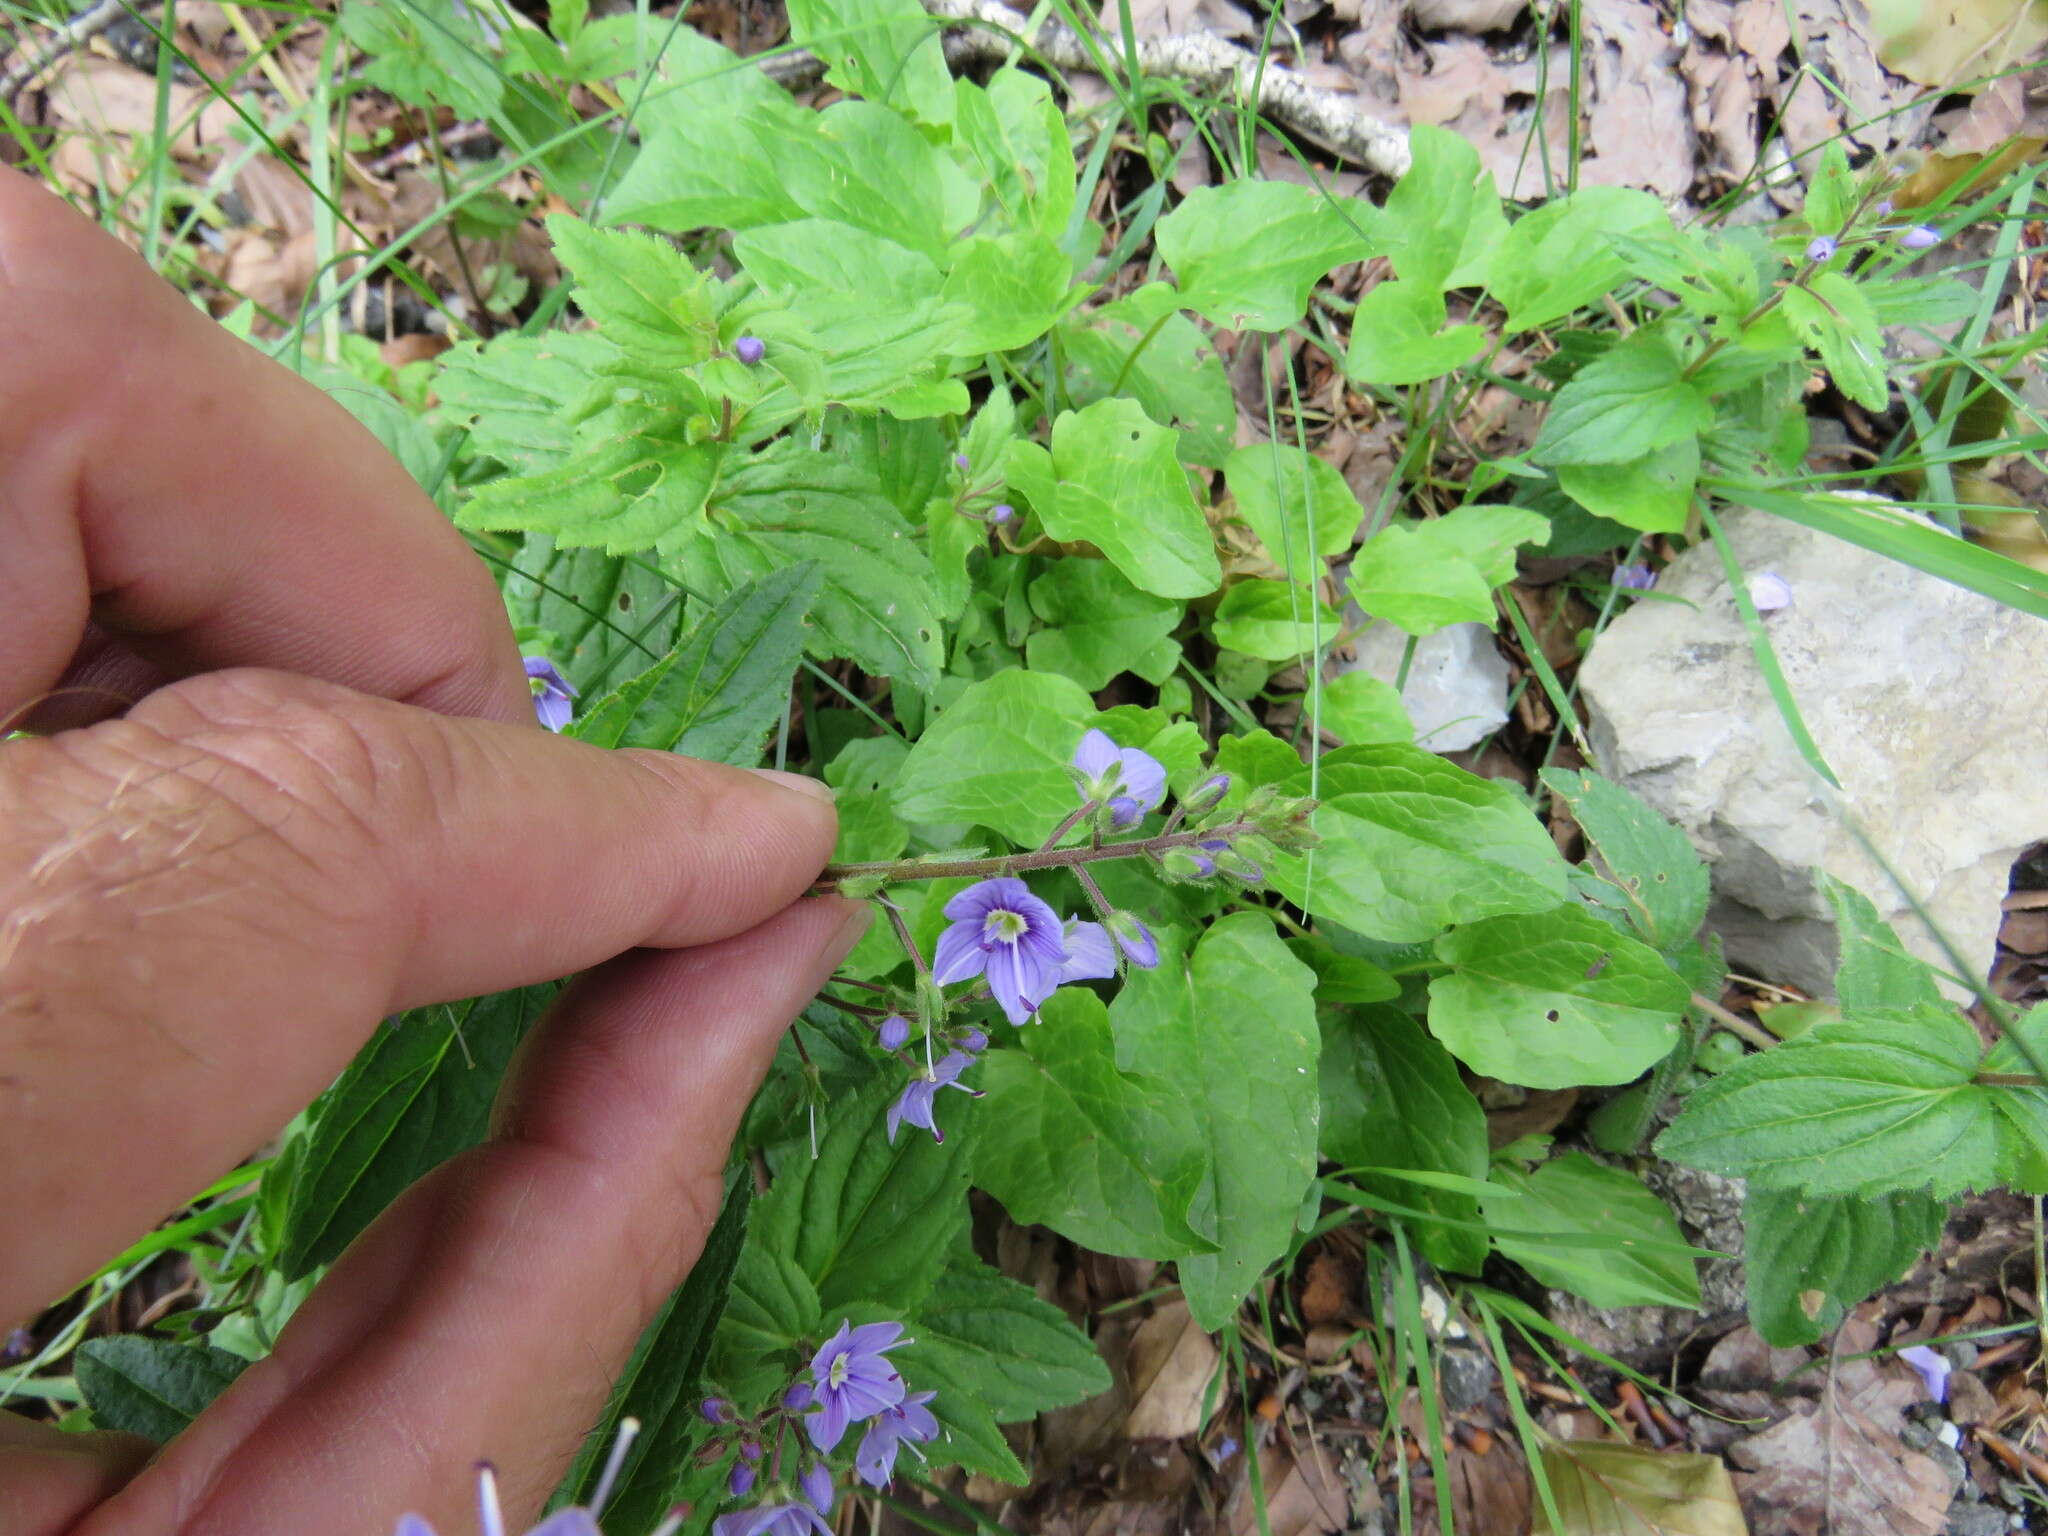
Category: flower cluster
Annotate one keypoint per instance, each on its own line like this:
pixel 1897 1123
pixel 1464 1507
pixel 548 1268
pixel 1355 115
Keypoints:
pixel 850 1382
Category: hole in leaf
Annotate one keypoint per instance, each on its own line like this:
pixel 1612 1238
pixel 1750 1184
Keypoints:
pixel 625 602
pixel 1551 1015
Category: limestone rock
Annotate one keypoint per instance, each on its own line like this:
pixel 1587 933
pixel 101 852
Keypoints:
pixel 1457 693
pixel 1928 701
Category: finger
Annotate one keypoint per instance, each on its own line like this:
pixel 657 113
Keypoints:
pixel 486 1315
pixel 205 906
pixel 206 505
pixel 51 1477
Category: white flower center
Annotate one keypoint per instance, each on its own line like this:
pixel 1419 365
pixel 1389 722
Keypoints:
pixel 1004 927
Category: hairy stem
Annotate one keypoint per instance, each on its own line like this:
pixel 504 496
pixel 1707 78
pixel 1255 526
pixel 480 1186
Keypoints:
pixel 1022 863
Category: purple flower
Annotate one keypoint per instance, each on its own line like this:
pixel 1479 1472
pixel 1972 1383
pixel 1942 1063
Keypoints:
pixel 960 462
pixel 739 1480
pixel 914 1104
pixel 1770 592
pixel 908 1423
pixel 974 1042
pixel 852 1380
pixel 1090 954
pixel 895 1031
pixel 1206 795
pixel 1001 513
pixel 798 1397
pixel 1134 939
pixel 714 1410
pixel 551 693
pixel 1130 781
pixel 1002 931
pixel 1933 1368
pixel 772 1520
pixel 750 350
pixel 1883 209
pixel 1821 248
pixel 817 1486
pixel 1920 237
pixel 20 1344
pixel 1634 578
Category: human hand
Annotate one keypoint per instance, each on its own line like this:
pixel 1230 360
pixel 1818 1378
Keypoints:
pixel 331 803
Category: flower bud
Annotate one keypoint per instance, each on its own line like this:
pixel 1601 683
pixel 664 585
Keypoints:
pixel 798 1397
pixel 1920 237
pixel 750 350
pixel 1134 939
pixel 895 1032
pixel 739 1480
pixel 1238 867
pixel 750 1448
pixel 1207 795
pixel 1821 248
pixel 974 1042
pixel 960 462
pixel 1634 578
pixel 716 1410
pixel 1125 813
pixel 1884 208
pixel 1001 513
pixel 817 1486
pixel 1186 864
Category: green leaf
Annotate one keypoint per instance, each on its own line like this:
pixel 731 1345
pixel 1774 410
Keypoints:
pixel 1142 346
pixel 637 481
pixel 599 617
pixel 428 53
pixel 1606 1488
pixel 1246 253
pixel 1297 504
pixel 1874 970
pixel 877 172
pixel 1555 1000
pixel 1573 1195
pixel 514 395
pixel 714 138
pixel 787 504
pixel 1236 1023
pixel 1392 1098
pixel 1422 577
pixel 1836 320
pixel 1651 861
pixel 151 1387
pixel 1627 402
pixel 1068 1140
pixel 1557 258
pixel 1121 488
pixel 645 296
pixel 1398 336
pixel 886 50
pixel 417 1094
pixel 1652 494
pixel 1443 219
pixel 718 693
pixel 1809 1258
pixel 997 757
pixel 824 264
pixel 1013 139
pixel 1411 844
pixel 1009 290
pixel 1831 196
pixel 1273 621
pixel 994 1353
pixel 660 1384
pixel 1873 1102
pixel 1101 626
pixel 1361 710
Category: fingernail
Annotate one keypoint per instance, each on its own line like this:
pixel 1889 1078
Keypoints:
pixel 802 783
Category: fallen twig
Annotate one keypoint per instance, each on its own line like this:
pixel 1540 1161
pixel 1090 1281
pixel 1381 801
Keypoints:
pixel 87 24
pixel 987 30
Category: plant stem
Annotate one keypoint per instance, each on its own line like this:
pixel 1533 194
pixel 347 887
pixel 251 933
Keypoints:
pixel 1734 1023
pixel 1020 863
pixel 2010 1080
pixel 1060 831
pixel 903 936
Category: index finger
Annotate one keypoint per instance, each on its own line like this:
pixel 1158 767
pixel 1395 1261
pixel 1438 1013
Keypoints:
pixel 203 504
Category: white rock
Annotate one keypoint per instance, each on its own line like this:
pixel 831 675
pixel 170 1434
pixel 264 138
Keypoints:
pixel 1928 701
pixel 1457 693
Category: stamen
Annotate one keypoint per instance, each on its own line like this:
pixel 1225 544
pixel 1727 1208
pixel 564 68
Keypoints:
pixel 488 1514
pixel 629 1430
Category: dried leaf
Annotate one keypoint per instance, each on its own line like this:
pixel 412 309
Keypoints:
pixel 1604 1488
pixel 1171 1363
pixel 1949 42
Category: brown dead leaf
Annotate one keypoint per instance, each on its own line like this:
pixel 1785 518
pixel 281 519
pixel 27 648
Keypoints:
pixel 1328 1289
pixel 1171 1363
pixel 1948 42
pixel 1605 1488
pixel 1177 18
pixel 1467 15
pixel 272 273
pixel 103 98
pixel 1837 1467
pixel 413 347
pixel 1632 78
pixel 1301 1496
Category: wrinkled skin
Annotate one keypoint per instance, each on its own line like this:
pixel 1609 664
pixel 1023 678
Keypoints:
pixel 288 781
